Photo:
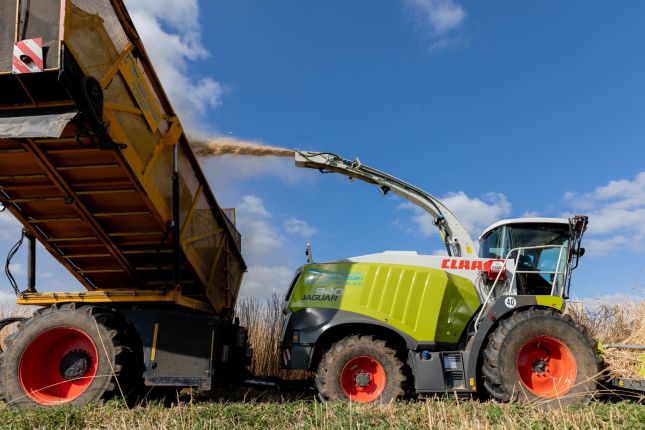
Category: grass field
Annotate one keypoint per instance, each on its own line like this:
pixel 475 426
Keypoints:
pixel 438 414
pixel 259 410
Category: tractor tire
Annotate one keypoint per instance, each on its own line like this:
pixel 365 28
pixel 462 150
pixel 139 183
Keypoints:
pixel 543 357
pixel 360 369
pixel 68 354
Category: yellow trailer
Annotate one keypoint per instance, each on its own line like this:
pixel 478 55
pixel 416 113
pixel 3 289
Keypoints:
pixel 95 164
pixel 87 147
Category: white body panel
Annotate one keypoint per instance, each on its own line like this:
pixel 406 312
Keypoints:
pixel 465 267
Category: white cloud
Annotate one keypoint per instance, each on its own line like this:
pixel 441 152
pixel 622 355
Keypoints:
pixel 253 205
pixel 438 20
pixel 9 226
pixel 299 227
pixel 569 195
pixel 260 236
pixel 17 269
pixel 474 213
pixel 171 34
pixel 262 280
pixel 616 215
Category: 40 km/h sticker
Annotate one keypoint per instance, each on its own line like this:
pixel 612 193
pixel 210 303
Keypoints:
pixel 510 302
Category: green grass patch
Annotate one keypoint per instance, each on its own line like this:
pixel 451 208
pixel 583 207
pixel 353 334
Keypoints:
pixel 437 414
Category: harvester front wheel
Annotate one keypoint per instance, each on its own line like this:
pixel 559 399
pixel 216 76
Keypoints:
pixel 362 369
pixel 67 354
pixel 540 356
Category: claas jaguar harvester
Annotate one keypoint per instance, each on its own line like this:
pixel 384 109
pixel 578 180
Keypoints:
pixel 484 319
pixel 95 165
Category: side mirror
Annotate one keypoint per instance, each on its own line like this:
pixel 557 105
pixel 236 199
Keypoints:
pixel 310 256
pixel 579 252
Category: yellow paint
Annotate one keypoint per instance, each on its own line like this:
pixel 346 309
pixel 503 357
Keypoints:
pixel 469 250
pixel 141 91
pixel 107 77
pixel 133 159
pixel 170 138
pixel 115 296
pixel 550 301
pixel 193 206
pixel 153 353
pixel 174 133
pixel 122 108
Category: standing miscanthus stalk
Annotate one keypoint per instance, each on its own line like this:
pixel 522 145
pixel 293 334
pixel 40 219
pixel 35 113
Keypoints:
pixel 616 324
pixel 264 319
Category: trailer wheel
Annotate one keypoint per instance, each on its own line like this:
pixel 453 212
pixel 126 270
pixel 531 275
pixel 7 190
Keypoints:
pixel 65 354
pixel 541 356
pixel 361 369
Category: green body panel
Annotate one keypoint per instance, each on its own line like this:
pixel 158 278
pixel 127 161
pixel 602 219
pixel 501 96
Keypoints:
pixel 555 302
pixel 429 305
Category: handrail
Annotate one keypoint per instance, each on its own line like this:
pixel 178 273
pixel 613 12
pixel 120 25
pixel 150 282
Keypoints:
pixel 515 271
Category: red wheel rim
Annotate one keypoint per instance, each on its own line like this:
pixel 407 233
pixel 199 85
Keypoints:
pixel 58 365
pixel 363 379
pixel 546 367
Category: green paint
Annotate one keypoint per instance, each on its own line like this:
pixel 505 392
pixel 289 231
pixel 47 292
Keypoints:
pixel 428 304
pixel 555 302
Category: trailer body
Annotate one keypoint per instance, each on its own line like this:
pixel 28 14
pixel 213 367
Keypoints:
pixel 95 165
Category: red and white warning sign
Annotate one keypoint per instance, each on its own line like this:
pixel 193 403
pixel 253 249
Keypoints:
pixel 28 56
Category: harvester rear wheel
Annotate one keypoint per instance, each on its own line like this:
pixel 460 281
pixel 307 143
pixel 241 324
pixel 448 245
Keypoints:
pixel 541 356
pixel 362 369
pixel 67 354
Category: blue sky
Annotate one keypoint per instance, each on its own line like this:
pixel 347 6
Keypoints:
pixel 506 109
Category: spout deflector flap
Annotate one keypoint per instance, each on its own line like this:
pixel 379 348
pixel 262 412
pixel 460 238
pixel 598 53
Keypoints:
pixel 35 126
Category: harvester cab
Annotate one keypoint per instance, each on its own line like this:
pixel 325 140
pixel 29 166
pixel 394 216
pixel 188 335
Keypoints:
pixel 540 254
pixel 482 319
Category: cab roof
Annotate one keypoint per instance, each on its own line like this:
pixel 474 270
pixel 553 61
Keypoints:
pixel 533 220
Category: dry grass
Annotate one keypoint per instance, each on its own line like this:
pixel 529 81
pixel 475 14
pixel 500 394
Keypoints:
pixel 264 319
pixel 616 324
pixel 12 311
pixel 435 414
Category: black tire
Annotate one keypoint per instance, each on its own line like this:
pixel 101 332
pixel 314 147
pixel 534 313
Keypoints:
pixel 334 360
pixel 117 368
pixel 535 328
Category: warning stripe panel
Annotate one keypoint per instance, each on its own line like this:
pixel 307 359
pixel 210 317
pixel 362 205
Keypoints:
pixel 31 51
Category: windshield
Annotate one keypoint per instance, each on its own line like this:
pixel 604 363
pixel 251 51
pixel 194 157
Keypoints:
pixel 540 265
pixel 498 242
